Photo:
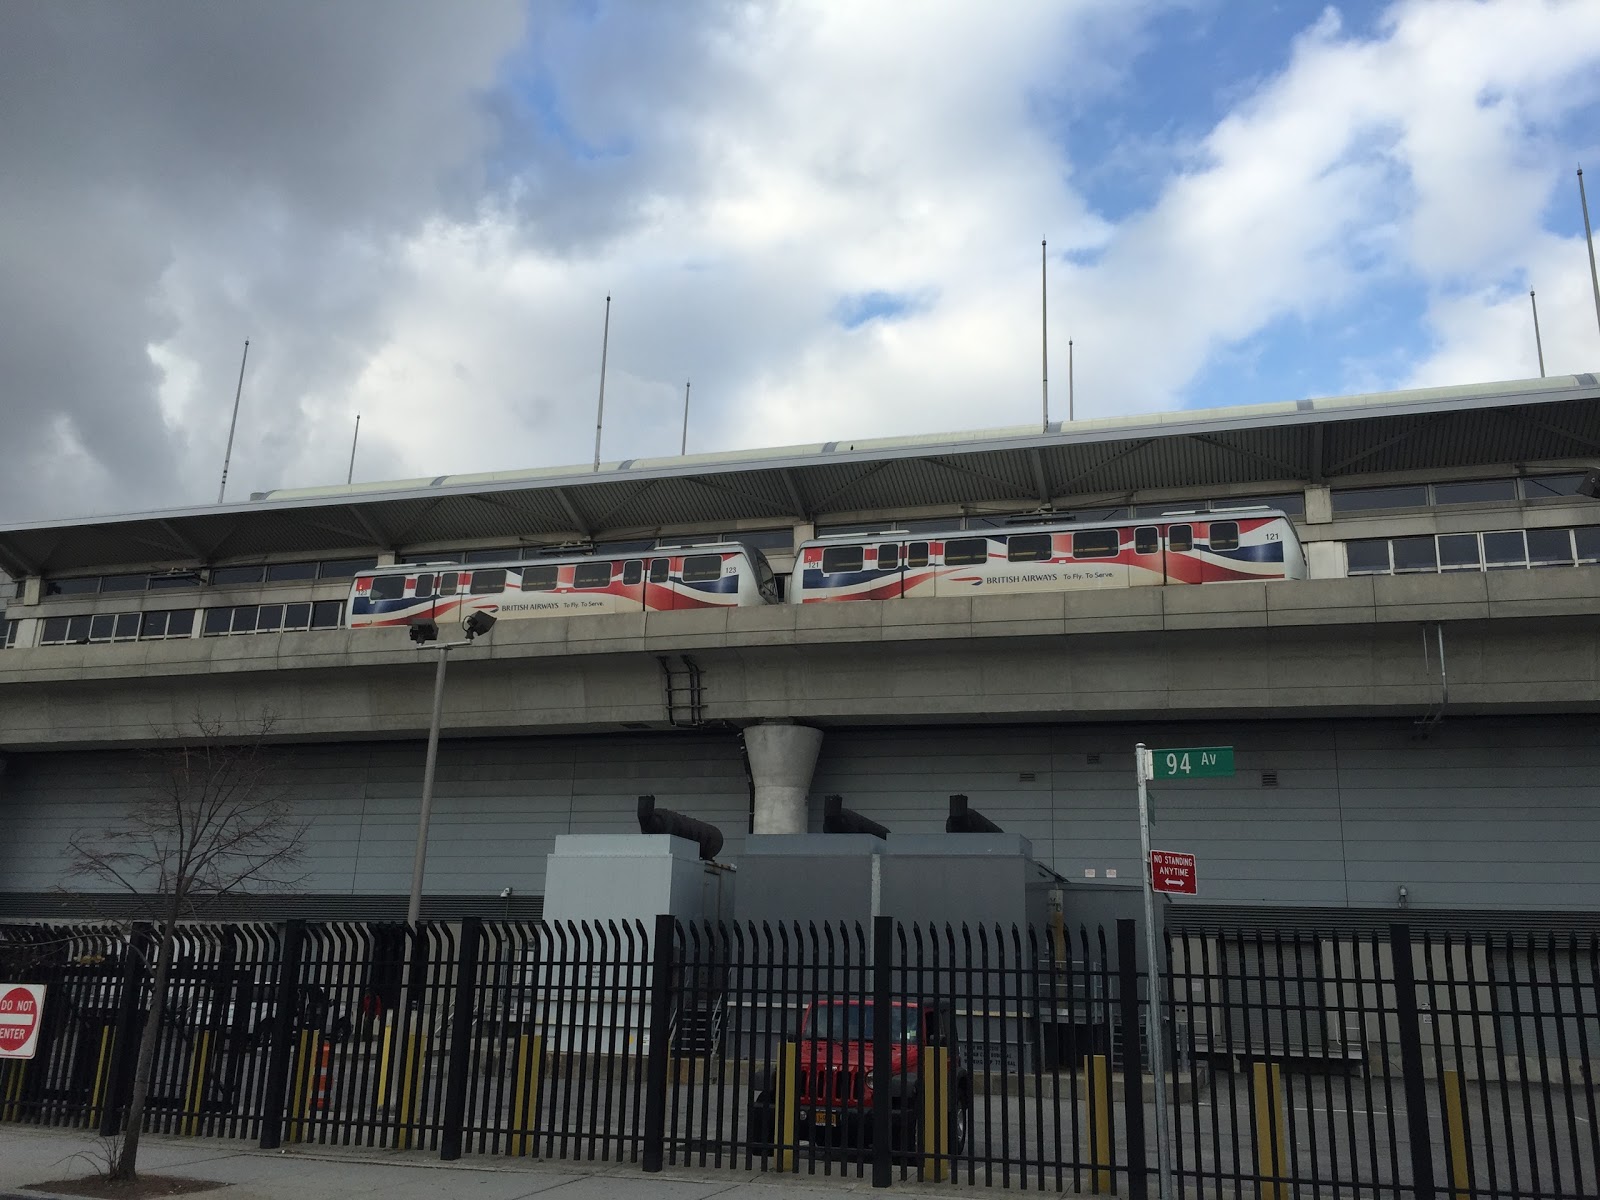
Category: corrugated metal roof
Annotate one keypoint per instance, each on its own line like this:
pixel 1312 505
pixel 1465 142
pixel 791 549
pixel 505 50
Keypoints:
pixel 1275 444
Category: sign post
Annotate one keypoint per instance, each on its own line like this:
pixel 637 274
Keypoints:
pixel 21 1006
pixel 1167 871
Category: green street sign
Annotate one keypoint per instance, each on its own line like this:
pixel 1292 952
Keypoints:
pixel 1196 762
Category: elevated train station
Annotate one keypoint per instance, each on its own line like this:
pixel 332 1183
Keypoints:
pixel 1415 722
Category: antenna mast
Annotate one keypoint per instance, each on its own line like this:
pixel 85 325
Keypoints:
pixel 227 455
pixel 350 477
pixel 1588 240
pixel 600 414
pixel 684 447
pixel 1044 334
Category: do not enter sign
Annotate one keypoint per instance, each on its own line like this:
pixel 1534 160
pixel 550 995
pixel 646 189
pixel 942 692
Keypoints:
pixel 1172 871
pixel 21 1005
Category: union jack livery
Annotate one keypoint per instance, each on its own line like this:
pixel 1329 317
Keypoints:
pixel 1175 548
pixel 718 575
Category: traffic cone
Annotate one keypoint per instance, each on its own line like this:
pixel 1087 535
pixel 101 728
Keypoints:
pixel 324 1071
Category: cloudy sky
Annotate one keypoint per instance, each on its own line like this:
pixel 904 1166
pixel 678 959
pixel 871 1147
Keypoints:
pixel 826 216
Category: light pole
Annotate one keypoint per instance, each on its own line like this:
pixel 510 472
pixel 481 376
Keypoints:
pixel 425 632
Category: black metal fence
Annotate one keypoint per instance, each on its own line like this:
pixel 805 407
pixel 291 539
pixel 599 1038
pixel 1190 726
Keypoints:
pixel 1300 1064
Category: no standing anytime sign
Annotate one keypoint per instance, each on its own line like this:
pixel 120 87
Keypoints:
pixel 1172 871
pixel 21 1005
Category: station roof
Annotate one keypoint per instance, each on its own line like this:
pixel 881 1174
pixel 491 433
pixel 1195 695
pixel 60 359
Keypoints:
pixel 1065 465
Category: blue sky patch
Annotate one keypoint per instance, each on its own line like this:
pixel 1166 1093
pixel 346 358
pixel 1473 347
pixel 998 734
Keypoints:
pixel 854 311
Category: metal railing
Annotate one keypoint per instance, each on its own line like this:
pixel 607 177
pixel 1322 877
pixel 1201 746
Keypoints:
pixel 1322 1063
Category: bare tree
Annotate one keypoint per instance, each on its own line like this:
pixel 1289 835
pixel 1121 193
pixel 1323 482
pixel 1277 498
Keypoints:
pixel 210 824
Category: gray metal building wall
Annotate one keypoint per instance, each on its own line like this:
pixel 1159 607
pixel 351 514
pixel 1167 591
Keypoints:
pixel 1481 814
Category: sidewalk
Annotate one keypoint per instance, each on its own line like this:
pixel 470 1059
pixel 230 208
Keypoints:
pixel 30 1154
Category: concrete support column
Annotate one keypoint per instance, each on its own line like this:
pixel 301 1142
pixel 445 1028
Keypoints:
pixel 782 758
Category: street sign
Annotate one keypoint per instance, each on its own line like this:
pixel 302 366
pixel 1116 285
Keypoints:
pixel 1172 871
pixel 1195 762
pixel 20 1007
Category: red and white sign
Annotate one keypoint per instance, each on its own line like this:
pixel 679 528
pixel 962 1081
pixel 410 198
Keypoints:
pixel 1172 871
pixel 21 1005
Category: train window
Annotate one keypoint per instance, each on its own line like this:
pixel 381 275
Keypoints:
pixel 424 587
pixel 448 583
pixel 485 583
pixel 1224 535
pixel 1097 543
pixel 966 552
pixel 633 572
pixel 217 621
pixel 296 616
pixel 702 568
pixel 917 554
pixel 1028 547
pixel 540 579
pixel 592 575
pixel 269 618
pixel 889 558
pixel 838 559
pixel 1146 539
pixel 388 587
pixel 1180 538
pixel 660 570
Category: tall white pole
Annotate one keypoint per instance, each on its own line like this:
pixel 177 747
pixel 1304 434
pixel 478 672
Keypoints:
pixel 227 454
pixel 1044 332
pixel 600 414
pixel 351 474
pixel 683 448
pixel 1588 240
pixel 1158 1049
pixel 1537 343
pixel 1069 382
pixel 419 860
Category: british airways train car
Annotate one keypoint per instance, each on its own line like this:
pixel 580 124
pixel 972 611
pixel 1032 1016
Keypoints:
pixel 720 575
pixel 1176 548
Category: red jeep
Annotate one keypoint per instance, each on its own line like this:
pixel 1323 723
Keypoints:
pixel 833 1095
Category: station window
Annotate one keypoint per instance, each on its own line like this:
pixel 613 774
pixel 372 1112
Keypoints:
pixel 269 618
pixel 1505 550
pixel 1028 547
pixel 704 568
pixel 1458 552
pixel 344 568
pixel 8 634
pixel 1361 499
pixel 234 576
pixel 1475 491
pixel 175 579
pixel 1413 555
pixel 327 614
pixel 1543 487
pixel 592 575
pixel 1224 535
pixel 487 583
pixel 836 560
pixel 1550 547
pixel 217 621
pixel 297 616
pixel 1097 543
pixel 966 552
pixel 388 587
pixel 85 586
pixel 244 619
pixel 1586 542
pixel 540 579
pixel 291 572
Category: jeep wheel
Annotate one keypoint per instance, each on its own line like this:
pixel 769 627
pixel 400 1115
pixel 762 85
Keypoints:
pixel 960 1122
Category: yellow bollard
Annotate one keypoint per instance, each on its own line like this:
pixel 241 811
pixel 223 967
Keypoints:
pixel 1271 1159
pixel 195 1093
pixel 301 1094
pixel 1097 1074
pixel 383 1060
pixel 783 1126
pixel 102 1069
pixel 937 1103
pixel 13 1091
pixel 409 1088
pixel 1455 1127
pixel 525 1093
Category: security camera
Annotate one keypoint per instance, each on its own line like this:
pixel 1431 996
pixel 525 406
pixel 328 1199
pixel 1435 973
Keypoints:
pixel 424 630
pixel 477 624
pixel 505 893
